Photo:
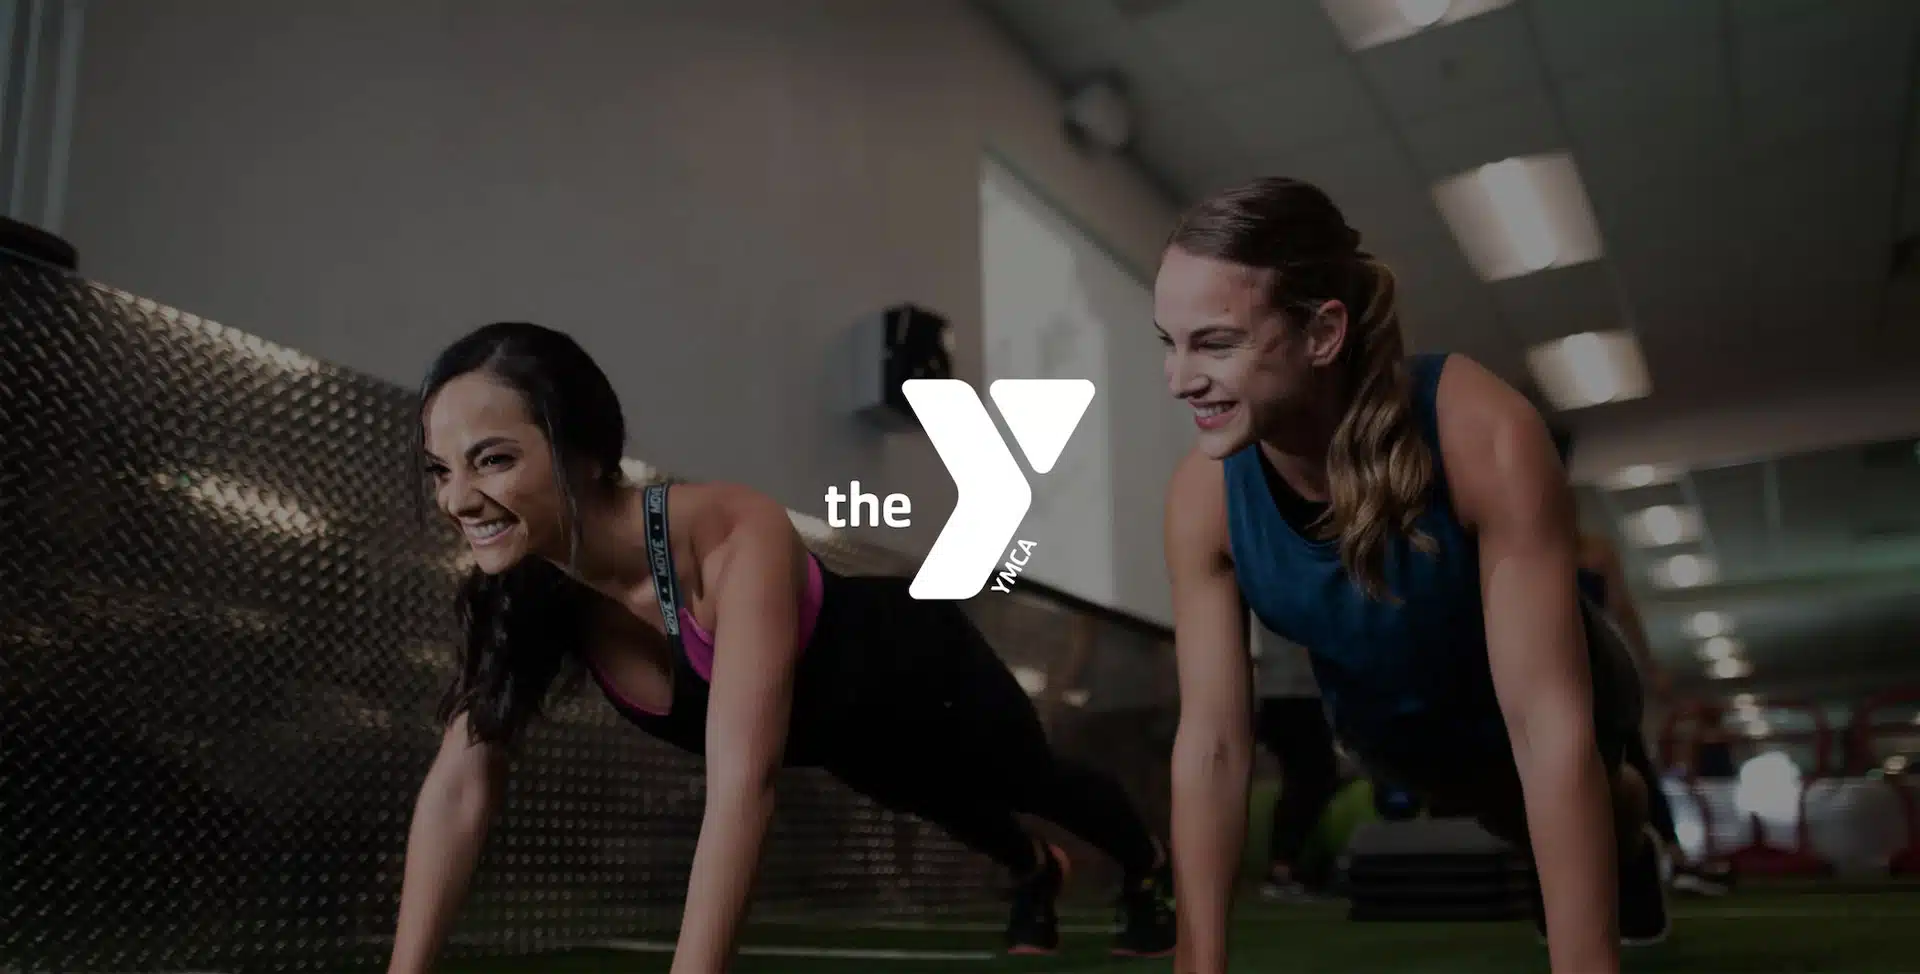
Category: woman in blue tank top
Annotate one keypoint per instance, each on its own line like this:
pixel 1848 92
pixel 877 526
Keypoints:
pixel 1405 519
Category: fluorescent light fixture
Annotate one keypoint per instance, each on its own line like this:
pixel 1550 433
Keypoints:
pixel 1589 369
pixel 1520 215
pixel 1422 14
pixel 1730 669
pixel 1521 212
pixel 1706 625
pixel 1686 571
pixel 1662 525
pixel 1030 679
pixel 1640 475
pixel 1719 648
pixel 1371 23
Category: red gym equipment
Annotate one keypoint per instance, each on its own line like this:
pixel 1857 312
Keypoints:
pixel 1860 758
pixel 1758 857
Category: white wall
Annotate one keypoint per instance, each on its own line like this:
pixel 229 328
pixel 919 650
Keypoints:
pixel 705 194
pixel 1059 305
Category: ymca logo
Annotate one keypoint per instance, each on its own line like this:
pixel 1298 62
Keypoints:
pixel 994 495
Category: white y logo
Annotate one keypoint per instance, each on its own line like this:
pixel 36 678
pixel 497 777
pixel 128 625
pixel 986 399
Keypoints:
pixel 994 494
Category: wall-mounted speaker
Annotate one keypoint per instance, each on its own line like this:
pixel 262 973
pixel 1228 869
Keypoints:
pixel 888 348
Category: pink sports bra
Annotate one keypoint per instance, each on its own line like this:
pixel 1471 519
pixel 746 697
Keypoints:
pixel 698 643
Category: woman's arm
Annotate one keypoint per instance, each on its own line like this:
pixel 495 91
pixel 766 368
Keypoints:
pixel 1213 748
pixel 756 573
pixel 1508 484
pixel 450 819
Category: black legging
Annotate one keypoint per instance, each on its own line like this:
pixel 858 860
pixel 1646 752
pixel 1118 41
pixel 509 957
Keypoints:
pixel 1295 730
pixel 937 727
pixel 1659 809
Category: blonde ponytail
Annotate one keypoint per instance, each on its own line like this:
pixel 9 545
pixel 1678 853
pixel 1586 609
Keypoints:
pixel 1379 468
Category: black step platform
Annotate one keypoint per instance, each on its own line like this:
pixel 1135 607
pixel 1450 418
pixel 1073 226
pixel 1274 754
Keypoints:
pixel 1440 869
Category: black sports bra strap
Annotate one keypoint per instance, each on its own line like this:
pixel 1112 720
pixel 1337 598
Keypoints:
pixel 660 557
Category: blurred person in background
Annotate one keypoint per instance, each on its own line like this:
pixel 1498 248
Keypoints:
pixel 1292 724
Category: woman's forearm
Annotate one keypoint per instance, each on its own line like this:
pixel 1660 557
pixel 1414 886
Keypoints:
pixel 450 821
pixel 1210 770
pixel 1570 818
pixel 724 866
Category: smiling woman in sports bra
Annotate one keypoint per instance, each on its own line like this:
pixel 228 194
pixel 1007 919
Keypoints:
pixel 707 623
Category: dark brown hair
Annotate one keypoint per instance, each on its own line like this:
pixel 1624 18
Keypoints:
pixel 1378 467
pixel 523 624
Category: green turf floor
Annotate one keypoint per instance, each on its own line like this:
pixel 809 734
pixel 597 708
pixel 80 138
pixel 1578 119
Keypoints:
pixel 1751 932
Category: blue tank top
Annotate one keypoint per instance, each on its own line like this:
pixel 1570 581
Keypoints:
pixel 1400 678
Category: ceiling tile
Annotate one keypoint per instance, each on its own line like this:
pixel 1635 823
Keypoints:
pixel 1560 302
pixel 1482 340
pixel 1131 54
pixel 1443 306
pixel 1220 43
pixel 1823 75
pixel 1813 488
pixel 1427 262
pixel 1301 108
pixel 1581 37
pixel 1369 179
pixel 1455 140
pixel 1663 115
pixel 1186 143
pixel 1837 234
pixel 1794 14
pixel 1053 29
pixel 1732 506
pixel 1433 291
pixel 1455 65
pixel 1675 336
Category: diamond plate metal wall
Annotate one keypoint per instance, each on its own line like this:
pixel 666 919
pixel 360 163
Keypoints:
pixel 223 628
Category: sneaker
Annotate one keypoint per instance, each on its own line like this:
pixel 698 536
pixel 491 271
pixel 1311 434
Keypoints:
pixel 1147 922
pixel 1034 925
pixel 1288 891
pixel 1644 920
pixel 1694 881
